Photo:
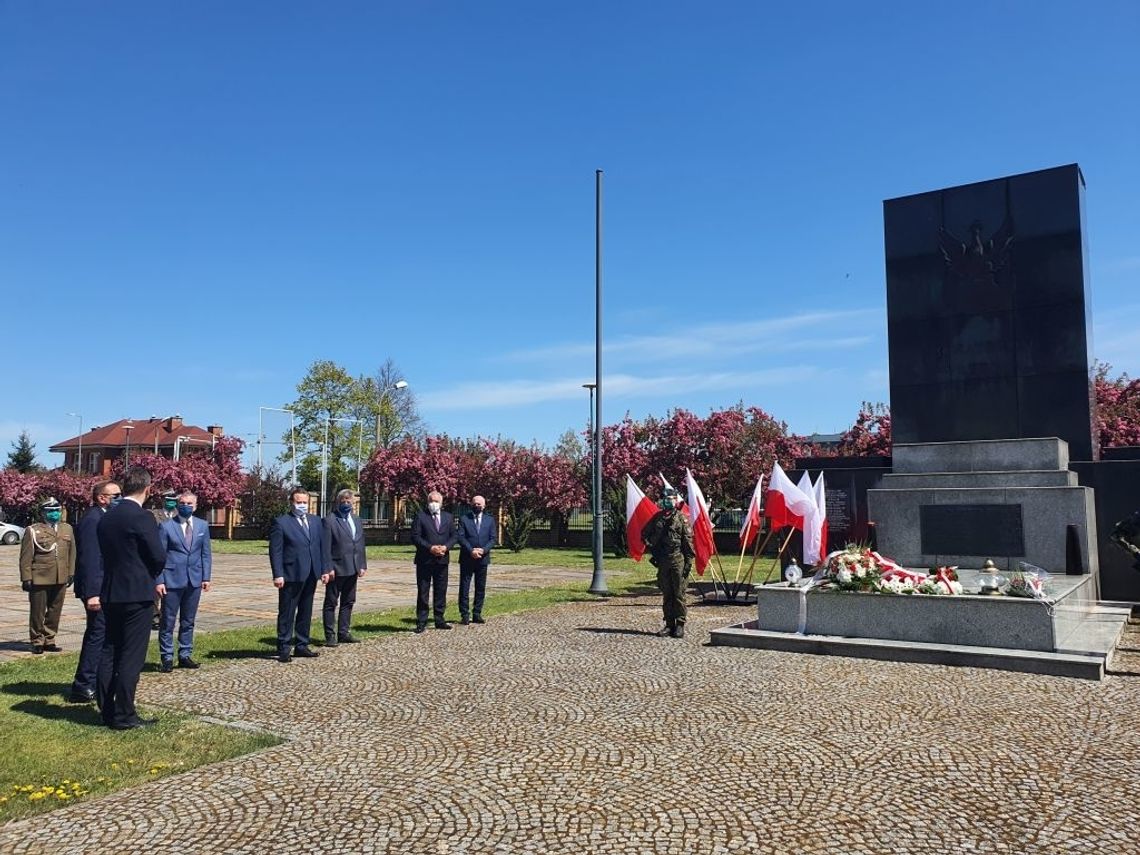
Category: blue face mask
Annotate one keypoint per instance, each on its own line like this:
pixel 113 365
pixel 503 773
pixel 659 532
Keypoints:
pixel 52 516
pixel 116 500
pixel 185 511
pixel 345 508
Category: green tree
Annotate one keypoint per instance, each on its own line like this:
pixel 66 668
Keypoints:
pixel 327 398
pixel 22 457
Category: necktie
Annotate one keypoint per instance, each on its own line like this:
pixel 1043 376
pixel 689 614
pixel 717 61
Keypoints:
pixel 478 521
pixel 436 518
pixel 351 525
pixel 304 523
pixel 188 532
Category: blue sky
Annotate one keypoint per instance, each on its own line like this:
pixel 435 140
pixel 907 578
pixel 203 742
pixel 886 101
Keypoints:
pixel 197 200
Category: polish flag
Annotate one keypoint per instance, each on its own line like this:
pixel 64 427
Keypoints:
pixel 751 525
pixel 638 511
pixel 811 529
pixel 821 505
pixel 703 543
pixel 785 504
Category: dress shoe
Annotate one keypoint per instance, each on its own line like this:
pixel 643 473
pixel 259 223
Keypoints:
pixel 349 639
pixel 465 621
pixel 478 619
pixel 442 625
pixel 52 647
pixel 187 662
pixel 83 696
pixel 284 657
pixel 305 653
pixel 420 627
pixel 330 641
pixel 665 632
pixel 37 649
pixel 135 723
pixel 166 666
pixel 679 632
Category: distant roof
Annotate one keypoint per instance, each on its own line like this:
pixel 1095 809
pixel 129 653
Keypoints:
pixel 143 433
pixel 825 438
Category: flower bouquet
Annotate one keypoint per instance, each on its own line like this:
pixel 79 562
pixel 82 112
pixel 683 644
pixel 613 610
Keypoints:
pixel 942 582
pixel 1027 581
pixel 854 568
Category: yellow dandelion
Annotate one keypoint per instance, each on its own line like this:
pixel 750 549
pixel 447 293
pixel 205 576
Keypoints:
pixel 62 796
pixel 35 797
pixel 114 765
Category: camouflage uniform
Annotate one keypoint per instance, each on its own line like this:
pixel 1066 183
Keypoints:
pixel 669 539
pixel 47 566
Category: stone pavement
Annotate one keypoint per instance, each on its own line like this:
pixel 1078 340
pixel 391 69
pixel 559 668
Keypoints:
pixel 243 595
pixel 573 730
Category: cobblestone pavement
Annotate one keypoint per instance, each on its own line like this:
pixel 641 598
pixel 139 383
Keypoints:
pixel 573 730
pixel 243 595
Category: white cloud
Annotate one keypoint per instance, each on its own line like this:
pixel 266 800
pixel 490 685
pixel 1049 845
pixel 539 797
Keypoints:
pixel 718 339
pixel 519 393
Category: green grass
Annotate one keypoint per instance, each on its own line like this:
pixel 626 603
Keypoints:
pixel 46 741
pixel 404 552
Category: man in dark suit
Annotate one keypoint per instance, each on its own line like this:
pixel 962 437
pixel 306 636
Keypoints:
pixel 477 535
pixel 347 563
pixel 132 560
pixel 88 584
pixel 297 557
pixel 433 533
pixel 186 575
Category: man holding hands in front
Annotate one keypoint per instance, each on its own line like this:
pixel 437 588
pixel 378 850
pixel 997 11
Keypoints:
pixel 433 533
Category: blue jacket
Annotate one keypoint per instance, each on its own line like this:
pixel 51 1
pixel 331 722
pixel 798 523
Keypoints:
pixel 186 567
pixel 294 555
pixel 472 537
pixel 88 556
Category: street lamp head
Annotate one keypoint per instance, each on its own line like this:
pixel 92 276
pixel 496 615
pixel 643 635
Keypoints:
pixel 400 384
pixel 589 385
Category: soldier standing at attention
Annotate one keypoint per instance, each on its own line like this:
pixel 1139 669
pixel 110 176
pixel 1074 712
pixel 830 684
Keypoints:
pixel 669 539
pixel 168 511
pixel 47 567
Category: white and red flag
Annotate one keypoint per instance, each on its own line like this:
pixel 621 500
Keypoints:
pixel 820 489
pixel 638 511
pixel 785 504
pixel 703 543
pixel 812 540
pixel 751 525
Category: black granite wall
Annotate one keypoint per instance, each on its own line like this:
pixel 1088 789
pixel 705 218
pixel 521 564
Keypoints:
pixel 988 312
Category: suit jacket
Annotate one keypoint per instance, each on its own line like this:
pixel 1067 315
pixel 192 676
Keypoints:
pixel 186 566
pixel 133 556
pixel 88 557
pixel 47 555
pixel 424 536
pixel 295 555
pixel 484 536
pixel 346 550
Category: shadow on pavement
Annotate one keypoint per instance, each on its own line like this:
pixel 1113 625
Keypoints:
pixel 605 630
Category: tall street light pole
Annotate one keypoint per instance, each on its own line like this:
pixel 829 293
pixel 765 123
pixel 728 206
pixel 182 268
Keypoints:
pixel 395 387
pixel 127 455
pixel 79 454
pixel 598 582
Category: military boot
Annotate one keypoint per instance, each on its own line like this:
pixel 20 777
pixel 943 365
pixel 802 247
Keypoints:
pixel 666 630
pixel 678 631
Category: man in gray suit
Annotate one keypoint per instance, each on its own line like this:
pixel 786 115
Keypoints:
pixel 347 563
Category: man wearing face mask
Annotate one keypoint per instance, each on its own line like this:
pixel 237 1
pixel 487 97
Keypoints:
pixel 88 582
pixel 47 567
pixel 476 537
pixel 433 533
pixel 167 510
pixel 669 539
pixel 297 558
pixel 346 563
pixel 133 559
pixel 185 577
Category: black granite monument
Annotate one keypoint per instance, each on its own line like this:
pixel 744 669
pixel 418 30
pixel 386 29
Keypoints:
pixel 988 312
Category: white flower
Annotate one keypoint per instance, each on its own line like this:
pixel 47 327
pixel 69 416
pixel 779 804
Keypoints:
pixel 843 576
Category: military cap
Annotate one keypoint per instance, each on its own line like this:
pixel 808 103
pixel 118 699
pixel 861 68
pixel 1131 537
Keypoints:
pixel 51 504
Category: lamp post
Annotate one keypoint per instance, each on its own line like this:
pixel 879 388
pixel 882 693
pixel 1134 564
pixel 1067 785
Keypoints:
pixel 598 581
pixel 127 456
pixel 292 435
pixel 79 454
pixel 590 439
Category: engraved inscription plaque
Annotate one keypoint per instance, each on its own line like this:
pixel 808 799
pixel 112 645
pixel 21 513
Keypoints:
pixel 982 530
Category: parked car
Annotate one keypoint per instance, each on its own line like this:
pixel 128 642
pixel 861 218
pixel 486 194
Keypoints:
pixel 10 534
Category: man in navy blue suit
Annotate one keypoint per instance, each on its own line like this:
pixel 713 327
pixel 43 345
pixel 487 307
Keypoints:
pixel 347 563
pixel 433 533
pixel 184 578
pixel 297 557
pixel 133 558
pixel 88 582
pixel 477 535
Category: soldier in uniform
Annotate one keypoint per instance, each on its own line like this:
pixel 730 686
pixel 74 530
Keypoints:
pixel 669 539
pixel 47 567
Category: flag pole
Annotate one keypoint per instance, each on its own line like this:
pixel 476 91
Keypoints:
pixel 780 552
pixel 598 581
pixel 756 552
pixel 743 549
